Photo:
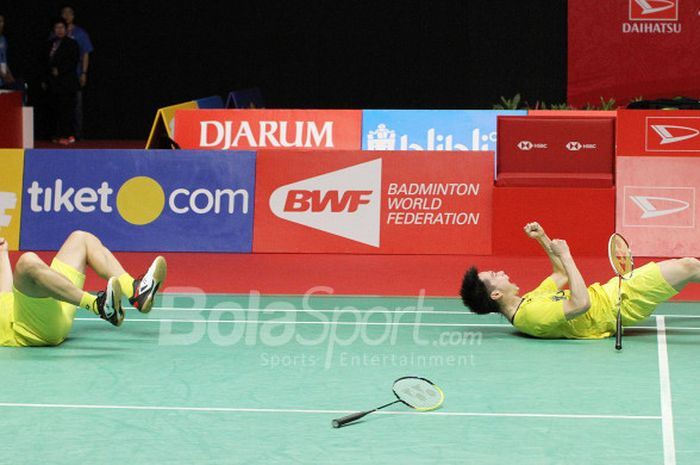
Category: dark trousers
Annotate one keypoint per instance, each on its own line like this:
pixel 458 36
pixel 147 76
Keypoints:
pixel 63 110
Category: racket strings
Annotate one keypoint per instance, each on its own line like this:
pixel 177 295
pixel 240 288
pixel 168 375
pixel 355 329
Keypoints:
pixel 419 394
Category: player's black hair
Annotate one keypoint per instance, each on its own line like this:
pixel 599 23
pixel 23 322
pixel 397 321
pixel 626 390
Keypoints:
pixel 475 295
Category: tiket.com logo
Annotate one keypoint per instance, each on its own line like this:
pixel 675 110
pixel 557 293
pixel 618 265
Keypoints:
pixel 139 201
pixel 344 203
pixel 653 207
pixel 8 201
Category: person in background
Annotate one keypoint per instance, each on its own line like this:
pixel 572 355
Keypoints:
pixel 62 83
pixel 81 36
pixel 7 80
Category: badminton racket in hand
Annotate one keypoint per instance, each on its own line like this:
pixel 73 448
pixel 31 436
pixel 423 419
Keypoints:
pixel 622 263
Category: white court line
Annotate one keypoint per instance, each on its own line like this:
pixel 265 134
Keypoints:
pixel 677 316
pixel 666 403
pixel 315 411
pixel 350 323
pixel 276 322
pixel 349 309
pixel 315 310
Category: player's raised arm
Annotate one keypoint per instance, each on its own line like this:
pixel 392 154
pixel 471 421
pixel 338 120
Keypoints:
pixel 5 268
pixel 535 231
pixel 579 302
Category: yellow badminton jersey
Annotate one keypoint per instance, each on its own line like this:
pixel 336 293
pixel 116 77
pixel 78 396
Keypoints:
pixel 7 335
pixel 541 314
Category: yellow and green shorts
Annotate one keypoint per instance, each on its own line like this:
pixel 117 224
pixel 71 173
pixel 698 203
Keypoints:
pixel 45 321
pixel 646 289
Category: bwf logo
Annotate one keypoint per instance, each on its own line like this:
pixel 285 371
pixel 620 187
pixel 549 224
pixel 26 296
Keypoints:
pixel 8 201
pixel 344 203
pixel 653 10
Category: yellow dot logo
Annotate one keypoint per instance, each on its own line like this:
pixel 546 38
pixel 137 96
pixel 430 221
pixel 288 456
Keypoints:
pixel 140 200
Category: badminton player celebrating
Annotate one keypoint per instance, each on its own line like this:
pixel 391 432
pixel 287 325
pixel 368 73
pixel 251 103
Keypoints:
pixel 581 311
pixel 38 303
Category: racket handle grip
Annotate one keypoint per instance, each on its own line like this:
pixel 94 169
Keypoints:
pixel 618 333
pixel 338 422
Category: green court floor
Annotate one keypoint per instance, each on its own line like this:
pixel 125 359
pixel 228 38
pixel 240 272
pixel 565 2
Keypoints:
pixel 221 379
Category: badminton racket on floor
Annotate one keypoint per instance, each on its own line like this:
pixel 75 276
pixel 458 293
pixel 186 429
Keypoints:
pixel 621 260
pixel 418 393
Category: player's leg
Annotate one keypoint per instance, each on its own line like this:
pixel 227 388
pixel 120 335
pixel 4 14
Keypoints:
pixel 653 284
pixel 34 278
pixel 83 249
pixel 680 271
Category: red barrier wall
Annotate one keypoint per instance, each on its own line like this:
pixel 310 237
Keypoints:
pixel 577 113
pixel 550 151
pixel 657 210
pixel 658 133
pixel 624 49
pixel 11 120
pixel 584 217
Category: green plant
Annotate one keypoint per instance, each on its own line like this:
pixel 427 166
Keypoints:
pixel 607 104
pixel 508 104
pixel 560 106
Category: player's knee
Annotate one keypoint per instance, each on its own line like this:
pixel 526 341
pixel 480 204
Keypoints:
pixel 690 264
pixel 79 235
pixel 28 264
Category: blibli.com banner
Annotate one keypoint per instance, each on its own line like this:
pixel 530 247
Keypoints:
pixel 431 129
pixel 137 200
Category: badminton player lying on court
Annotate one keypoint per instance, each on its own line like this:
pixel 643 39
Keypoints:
pixel 581 312
pixel 38 304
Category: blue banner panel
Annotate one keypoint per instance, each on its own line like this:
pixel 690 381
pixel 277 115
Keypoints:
pixel 245 98
pixel 140 200
pixel 215 101
pixel 431 129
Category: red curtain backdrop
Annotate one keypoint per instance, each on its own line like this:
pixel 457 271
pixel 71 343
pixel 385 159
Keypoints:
pixel 624 49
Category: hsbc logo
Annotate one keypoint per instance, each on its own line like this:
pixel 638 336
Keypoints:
pixel 576 146
pixel 653 10
pixel 8 201
pixel 345 203
pixel 526 145
pixel 673 134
